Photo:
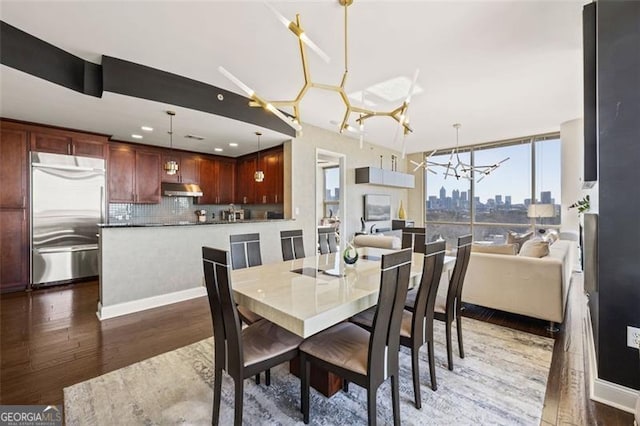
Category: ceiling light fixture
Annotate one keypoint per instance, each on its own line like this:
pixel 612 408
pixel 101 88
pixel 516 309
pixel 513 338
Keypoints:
pixel 171 166
pixel 258 176
pixel 456 167
pixel 147 128
pixel 136 136
pixel 399 114
pixel 217 149
pixel 233 144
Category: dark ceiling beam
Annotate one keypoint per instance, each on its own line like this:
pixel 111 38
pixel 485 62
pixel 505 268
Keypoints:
pixel 36 57
pixel 140 81
pixel 31 55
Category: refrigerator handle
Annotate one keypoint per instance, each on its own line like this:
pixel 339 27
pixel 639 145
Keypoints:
pixel 102 204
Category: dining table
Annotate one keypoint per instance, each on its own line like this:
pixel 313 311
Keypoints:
pixel 308 295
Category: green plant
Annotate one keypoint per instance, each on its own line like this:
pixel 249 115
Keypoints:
pixel 582 205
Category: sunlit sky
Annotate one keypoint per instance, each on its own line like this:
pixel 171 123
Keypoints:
pixel 512 178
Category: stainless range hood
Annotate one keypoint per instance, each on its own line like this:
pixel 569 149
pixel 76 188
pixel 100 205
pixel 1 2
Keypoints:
pixel 171 189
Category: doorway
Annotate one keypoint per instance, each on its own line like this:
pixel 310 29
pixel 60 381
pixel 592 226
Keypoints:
pixel 331 191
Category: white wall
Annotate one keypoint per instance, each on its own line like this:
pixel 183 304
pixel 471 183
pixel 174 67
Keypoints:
pixel 572 137
pixel 416 205
pixel 303 178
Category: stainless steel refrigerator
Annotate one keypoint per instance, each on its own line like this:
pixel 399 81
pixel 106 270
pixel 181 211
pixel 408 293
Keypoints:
pixel 67 203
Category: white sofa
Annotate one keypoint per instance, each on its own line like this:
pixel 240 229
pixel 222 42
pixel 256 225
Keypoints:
pixel 535 287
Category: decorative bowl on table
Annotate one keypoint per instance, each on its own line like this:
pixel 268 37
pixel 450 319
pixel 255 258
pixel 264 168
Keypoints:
pixel 350 254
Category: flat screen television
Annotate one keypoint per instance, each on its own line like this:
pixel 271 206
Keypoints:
pixel 377 207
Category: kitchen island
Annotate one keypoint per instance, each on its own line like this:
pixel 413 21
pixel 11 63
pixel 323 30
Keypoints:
pixel 146 265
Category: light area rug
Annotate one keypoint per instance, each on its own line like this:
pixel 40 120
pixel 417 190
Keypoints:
pixel 502 380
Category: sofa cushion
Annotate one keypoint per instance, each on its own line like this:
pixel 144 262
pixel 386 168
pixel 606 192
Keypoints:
pixel 535 248
pixel 509 249
pixel 519 239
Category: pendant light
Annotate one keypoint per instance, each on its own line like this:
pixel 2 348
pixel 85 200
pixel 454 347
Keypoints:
pixel 258 176
pixel 171 166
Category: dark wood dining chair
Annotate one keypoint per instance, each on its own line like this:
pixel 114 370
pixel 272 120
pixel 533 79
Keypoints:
pixel 414 238
pixel 364 358
pixel 245 252
pixel 450 308
pixel 327 240
pixel 292 244
pixel 242 353
pixel 417 326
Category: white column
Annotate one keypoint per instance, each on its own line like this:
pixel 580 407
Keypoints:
pixel 572 139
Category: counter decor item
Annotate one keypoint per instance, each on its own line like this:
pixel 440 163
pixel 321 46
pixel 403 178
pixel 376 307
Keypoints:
pixel 401 212
pixel 350 254
pixel 202 215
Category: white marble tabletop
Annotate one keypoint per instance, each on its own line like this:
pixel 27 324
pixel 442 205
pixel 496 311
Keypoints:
pixel 313 298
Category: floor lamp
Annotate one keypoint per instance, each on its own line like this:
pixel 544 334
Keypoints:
pixel 539 211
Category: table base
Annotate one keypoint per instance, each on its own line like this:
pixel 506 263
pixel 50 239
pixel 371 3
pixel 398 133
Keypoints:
pixel 323 381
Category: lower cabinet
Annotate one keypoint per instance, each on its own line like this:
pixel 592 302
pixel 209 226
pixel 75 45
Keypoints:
pixel 14 246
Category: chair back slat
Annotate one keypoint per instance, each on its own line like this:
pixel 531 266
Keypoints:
pixel 428 290
pixel 292 244
pixel 463 255
pixel 414 238
pixel 385 335
pixel 245 250
pixel 327 240
pixel 226 322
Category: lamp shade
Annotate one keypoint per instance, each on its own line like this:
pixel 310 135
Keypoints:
pixel 541 210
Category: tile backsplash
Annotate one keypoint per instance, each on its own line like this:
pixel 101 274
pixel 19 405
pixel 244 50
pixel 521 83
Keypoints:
pixel 177 209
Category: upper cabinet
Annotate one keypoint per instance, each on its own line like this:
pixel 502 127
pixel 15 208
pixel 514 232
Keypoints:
pixel 133 174
pixel 188 167
pixel 67 142
pixel 13 169
pixel 271 189
pixel 245 184
pixel 375 176
pixel 217 180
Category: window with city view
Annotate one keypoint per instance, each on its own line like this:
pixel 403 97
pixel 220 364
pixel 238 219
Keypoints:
pixel 490 207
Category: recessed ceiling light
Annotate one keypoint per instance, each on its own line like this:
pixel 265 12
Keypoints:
pixel 217 149
pixel 233 144
pixel 147 128
pixel 136 136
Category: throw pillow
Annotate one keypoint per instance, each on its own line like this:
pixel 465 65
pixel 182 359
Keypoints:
pixel 534 248
pixel 509 249
pixel 519 239
pixel 551 235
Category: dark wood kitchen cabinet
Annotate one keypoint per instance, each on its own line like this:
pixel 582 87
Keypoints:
pixel 271 189
pixel 133 174
pixel 217 180
pixel 14 246
pixel 14 209
pixel 69 143
pixel 13 169
pixel 188 167
pixel 245 183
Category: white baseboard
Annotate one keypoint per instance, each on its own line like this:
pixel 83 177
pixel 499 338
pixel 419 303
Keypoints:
pixel 106 312
pixel 612 394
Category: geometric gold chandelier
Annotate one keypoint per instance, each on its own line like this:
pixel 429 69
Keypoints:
pixel 399 114
pixel 455 167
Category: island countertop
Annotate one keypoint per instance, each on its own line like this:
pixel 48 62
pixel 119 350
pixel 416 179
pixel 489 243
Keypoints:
pixel 186 223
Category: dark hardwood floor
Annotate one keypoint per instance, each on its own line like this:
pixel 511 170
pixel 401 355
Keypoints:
pixel 51 339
